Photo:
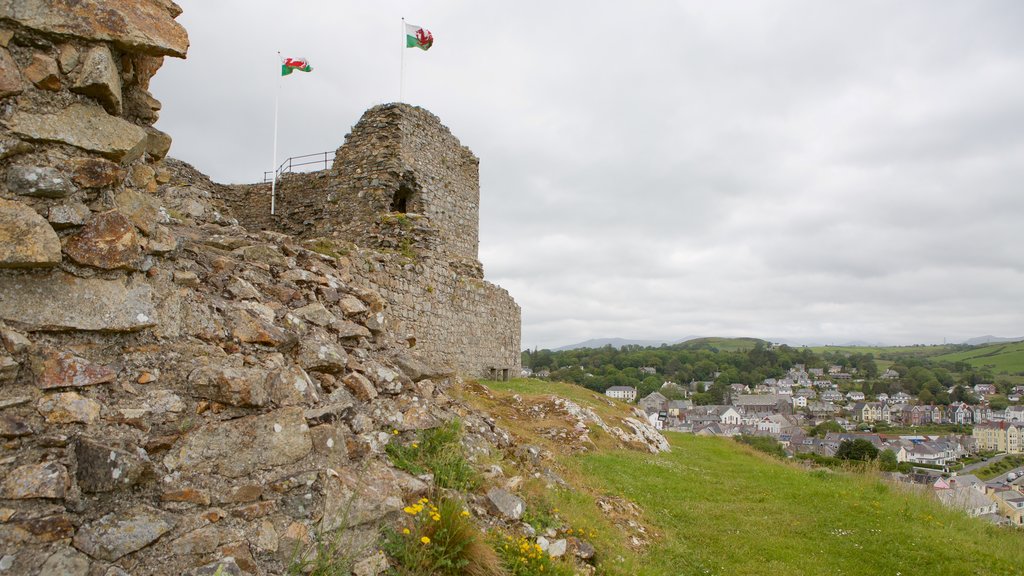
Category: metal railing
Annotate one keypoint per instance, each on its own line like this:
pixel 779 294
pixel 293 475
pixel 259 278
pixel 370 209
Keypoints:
pixel 290 164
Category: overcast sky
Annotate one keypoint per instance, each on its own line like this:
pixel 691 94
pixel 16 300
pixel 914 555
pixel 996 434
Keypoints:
pixel 814 171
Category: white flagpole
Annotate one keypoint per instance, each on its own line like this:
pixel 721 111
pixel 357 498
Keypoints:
pixel 273 167
pixel 401 80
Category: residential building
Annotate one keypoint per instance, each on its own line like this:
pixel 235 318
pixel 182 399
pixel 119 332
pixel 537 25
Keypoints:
pixel 626 393
pixel 999 436
pixel 855 396
pixel 653 402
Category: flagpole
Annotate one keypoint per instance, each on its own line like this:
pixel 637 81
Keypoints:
pixel 273 167
pixel 401 79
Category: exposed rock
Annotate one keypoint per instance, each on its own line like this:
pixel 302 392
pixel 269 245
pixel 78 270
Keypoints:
pixel 230 385
pixel 104 468
pixel 95 172
pixel 59 369
pixel 244 445
pixel 8 369
pixel 43 72
pixel 67 215
pixel 249 328
pixel 315 313
pixel 581 549
pixel 120 533
pixel 142 105
pixel 291 386
pixel 10 77
pixel 226 566
pixel 352 306
pixel 98 78
pixel 145 26
pixel 330 445
pixel 38 181
pixel 557 548
pixel 143 210
pixel 66 562
pixel 318 352
pixel 505 504
pixel 108 240
pixel 189 495
pixel 35 531
pixel 26 240
pixel 373 565
pixel 360 386
pixel 265 254
pixel 142 176
pixel 158 143
pixel 67 57
pixel 353 497
pixel 68 408
pixel 13 427
pixel 12 147
pixel 59 301
pixel 81 126
pixel 46 480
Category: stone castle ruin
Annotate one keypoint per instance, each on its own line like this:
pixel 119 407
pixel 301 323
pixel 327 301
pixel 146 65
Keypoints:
pixel 404 186
pixel 182 394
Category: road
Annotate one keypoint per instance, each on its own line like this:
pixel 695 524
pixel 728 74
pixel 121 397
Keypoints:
pixel 982 464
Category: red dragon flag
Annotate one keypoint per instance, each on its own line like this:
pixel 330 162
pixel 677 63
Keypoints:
pixel 418 37
pixel 290 65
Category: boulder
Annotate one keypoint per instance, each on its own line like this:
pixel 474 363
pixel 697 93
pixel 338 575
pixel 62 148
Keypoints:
pixel 60 369
pixel 108 241
pixel 291 386
pixel 38 181
pixel 244 445
pixel 158 143
pixel 145 26
pixel 99 79
pixel 26 239
pixel 85 127
pixel 320 353
pixel 42 72
pixel 505 504
pixel 60 301
pixel 67 562
pixel 121 533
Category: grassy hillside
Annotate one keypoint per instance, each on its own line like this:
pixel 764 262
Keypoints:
pixel 713 506
pixel 919 351
pixel 1001 357
pixel 723 344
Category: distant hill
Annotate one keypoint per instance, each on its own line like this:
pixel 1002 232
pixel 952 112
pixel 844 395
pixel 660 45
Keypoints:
pixel 989 339
pixel 1002 357
pixel 618 343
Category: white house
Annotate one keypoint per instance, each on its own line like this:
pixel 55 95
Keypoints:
pixel 799 401
pixel 627 393
pixel 855 396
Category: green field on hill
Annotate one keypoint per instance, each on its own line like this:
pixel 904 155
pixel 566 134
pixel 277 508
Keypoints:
pixel 724 344
pixel 714 506
pixel 918 351
pixel 1001 357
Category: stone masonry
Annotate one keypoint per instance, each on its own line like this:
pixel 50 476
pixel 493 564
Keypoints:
pixel 405 194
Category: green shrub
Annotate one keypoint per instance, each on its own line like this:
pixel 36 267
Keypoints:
pixel 440 539
pixel 327 557
pixel 765 444
pixel 438 451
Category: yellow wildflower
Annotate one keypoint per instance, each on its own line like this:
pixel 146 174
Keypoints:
pixel 405 531
pixel 425 540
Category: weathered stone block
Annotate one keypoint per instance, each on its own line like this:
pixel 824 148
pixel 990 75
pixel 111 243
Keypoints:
pixel 135 25
pixel 230 385
pixel 105 468
pixel 13 427
pixel 66 562
pixel 360 386
pixel 26 239
pixel 108 240
pixel 98 78
pixel 10 77
pixel 59 369
pixel 121 533
pixel 96 172
pixel 38 181
pixel 158 143
pixel 318 352
pixel 353 497
pixel 85 127
pixel 291 386
pixel 505 504
pixel 35 531
pixel 59 301
pixel 46 480
pixel 68 408
pixel 244 445
pixel 43 72
pixel 142 210
pixel 67 215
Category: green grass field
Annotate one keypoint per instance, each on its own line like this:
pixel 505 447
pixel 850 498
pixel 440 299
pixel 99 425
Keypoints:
pixel 714 506
pixel 1000 357
pixel 919 351
pixel 724 344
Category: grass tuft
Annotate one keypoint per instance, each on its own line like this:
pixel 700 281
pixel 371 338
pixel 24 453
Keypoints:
pixel 437 451
pixel 440 539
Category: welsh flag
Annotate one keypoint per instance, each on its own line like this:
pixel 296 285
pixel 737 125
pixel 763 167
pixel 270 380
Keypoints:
pixel 292 64
pixel 418 37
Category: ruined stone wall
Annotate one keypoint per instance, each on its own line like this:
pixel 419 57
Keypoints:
pixel 429 243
